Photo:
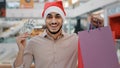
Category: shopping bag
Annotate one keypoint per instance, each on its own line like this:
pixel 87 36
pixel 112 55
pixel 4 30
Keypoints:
pixel 80 61
pixel 97 48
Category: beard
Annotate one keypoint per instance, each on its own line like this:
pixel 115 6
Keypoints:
pixel 56 31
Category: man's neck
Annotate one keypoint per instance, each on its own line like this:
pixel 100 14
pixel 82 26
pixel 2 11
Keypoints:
pixel 54 36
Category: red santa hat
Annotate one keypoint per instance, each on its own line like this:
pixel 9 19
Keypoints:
pixel 56 6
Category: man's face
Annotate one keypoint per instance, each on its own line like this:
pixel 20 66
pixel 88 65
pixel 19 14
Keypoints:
pixel 97 20
pixel 54 22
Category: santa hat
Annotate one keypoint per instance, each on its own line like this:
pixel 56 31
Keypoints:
pixel 56 6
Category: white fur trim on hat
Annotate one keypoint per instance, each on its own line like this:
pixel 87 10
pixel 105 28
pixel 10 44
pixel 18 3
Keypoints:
pixel 54 9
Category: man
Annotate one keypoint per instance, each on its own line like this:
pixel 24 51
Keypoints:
pixel 51 49
pixel 95 21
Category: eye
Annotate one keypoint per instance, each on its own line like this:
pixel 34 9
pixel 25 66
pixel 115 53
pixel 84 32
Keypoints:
pixel 58 16
pixel 49 16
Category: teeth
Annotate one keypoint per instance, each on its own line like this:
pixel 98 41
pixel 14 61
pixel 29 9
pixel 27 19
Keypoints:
pixel 53 25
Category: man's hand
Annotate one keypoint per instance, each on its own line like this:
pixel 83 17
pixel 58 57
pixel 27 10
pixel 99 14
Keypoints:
pixel 21 41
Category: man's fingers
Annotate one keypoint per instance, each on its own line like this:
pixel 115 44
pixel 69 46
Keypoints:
pixel 23 36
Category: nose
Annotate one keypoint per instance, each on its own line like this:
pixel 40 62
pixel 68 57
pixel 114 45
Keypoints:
pixel 54 21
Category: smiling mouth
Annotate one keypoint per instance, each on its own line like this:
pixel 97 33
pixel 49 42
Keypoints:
pixel 54 29
pixel 54 25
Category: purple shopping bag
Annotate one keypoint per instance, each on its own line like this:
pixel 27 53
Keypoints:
pixel 97 48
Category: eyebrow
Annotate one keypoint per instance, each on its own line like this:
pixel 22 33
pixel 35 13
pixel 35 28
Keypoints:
pixel 48 14
pixel 51 14
pixel 57 14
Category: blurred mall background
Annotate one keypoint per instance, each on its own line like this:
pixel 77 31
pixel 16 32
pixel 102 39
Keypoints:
pixel 19 16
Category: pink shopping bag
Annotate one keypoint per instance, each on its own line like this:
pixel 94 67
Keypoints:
pixel 97 48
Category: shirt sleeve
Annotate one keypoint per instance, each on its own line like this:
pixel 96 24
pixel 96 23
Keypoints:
pixel 28 57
